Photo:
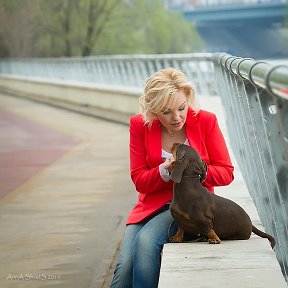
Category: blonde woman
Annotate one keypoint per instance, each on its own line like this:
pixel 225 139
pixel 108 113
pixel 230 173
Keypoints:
pixel 168 115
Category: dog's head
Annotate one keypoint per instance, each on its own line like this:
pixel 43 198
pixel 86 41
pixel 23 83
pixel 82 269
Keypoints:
pixel 187 163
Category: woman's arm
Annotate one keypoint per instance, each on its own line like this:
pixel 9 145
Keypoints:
pixel 146 179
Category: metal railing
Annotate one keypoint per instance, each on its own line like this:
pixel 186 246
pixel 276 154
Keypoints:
pixel 255 98
pixel 130 71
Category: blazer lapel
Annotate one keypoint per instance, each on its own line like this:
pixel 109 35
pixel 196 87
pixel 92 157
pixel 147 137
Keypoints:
pixel 192 131
pixel 154 144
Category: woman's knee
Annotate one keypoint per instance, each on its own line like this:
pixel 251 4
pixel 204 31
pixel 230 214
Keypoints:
pixel 145 242
pixel 151 239
pixel 158 230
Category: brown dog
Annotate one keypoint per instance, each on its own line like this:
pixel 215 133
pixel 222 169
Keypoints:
pixel 201 213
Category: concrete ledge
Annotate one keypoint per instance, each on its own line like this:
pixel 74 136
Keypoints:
pixel 250 264
pixel 239 263
pixel 247 263
pixel 113 103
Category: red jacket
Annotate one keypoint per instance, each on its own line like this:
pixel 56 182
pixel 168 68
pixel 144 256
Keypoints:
pixel 203 134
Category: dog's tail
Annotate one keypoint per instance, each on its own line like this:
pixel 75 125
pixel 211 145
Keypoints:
pixel 264 235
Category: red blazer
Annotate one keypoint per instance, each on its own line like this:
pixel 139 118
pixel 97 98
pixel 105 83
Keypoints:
pixel 203 134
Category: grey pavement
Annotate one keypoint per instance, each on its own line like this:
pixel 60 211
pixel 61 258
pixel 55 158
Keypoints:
pixel 64 224
pixel 68 219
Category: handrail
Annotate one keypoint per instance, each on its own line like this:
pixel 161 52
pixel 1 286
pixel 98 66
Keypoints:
pixel 262 74
pixel 255 98
pixel 190 56
pixel 125 70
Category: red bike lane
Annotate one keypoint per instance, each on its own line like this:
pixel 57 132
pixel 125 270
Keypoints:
pixel 27 147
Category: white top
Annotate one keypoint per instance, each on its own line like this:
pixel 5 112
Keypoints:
pixel 164 173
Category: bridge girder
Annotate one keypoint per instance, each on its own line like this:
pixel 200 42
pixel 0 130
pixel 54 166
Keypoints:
pixel 246 30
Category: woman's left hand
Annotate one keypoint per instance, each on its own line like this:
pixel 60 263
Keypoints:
pixel 168 163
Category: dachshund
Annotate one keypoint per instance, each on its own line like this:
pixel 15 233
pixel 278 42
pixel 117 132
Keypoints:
pixel 200 213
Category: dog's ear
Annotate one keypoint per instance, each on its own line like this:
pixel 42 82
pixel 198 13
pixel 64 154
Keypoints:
pixel 180 165
pixel 203 170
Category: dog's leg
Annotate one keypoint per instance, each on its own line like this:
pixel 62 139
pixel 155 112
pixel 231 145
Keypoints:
pixel 213 237
pixel 178 237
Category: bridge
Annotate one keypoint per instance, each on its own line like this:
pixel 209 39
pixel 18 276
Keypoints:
pixel 54 150
pixel 246 28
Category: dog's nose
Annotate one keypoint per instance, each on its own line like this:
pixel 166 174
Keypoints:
pixel 175 147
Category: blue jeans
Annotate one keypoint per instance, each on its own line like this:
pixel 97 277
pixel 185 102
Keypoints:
pixel 140 255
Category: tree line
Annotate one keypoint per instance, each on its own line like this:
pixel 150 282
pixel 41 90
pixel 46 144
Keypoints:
pixel 76 28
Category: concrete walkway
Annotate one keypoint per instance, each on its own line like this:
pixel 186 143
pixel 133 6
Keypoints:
pixel 64 222
pixel 66 197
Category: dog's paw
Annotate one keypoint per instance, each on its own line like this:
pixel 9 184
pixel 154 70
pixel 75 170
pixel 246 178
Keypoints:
pixel 214 241
pixel 178 237
pixel 213 237
pixel 175 239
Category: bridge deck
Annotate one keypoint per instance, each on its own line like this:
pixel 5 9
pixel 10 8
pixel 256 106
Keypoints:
pixel 66 219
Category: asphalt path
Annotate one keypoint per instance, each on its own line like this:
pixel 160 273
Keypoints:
pixel 66 196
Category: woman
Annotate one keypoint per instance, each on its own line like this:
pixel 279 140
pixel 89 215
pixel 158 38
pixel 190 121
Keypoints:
pixel 168 115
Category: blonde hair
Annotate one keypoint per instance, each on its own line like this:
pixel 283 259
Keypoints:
pixel 161 88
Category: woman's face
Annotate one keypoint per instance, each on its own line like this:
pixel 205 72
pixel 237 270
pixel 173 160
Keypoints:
pixel 173 117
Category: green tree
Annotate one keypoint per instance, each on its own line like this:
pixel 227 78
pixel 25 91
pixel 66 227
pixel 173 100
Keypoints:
pixel 145 26
pixel 98 18
pixel 58 27
pixel 71 27
pixel 169 32
pixel 18 27
pixel 68 28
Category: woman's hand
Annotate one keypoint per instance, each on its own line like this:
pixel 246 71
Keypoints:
pixel 168 163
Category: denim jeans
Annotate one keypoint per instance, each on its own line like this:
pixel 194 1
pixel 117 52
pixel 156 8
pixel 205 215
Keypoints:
pixel 140 255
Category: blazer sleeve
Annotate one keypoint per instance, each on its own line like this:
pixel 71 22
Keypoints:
pixel 145 178
pixel 220 169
